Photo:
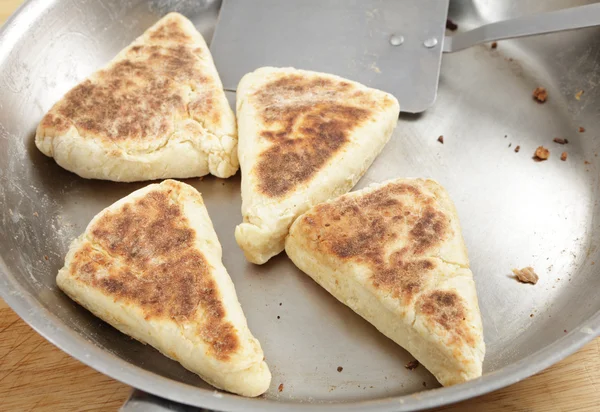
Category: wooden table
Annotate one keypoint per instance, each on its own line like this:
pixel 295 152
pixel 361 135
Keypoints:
pixel 35 375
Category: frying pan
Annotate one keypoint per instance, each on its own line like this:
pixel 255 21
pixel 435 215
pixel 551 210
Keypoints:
pixel 515 212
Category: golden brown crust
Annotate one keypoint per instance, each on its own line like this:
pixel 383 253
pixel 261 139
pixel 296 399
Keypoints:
pixel 394 230
pixel 366 229
pixel 144 254
pixel 446 309
pixel 139 97
pixel 170 31
pixel 307 120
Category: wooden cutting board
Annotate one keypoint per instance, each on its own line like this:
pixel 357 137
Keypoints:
pixel 35 375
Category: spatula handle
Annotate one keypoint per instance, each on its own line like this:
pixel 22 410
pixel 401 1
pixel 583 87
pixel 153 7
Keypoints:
pixel 566 19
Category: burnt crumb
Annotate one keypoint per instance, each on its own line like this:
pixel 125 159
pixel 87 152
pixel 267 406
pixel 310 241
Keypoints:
pixel 280 388
pixel 540 94
pixel 441 139
pixel 560 140
pixel 339 369
pixel 412 365
pixel 278 317
pixel 450 25
pixel 565 330
pixel 541 153
pixel 526 275
pixel 581 129
pixel 46 257
pixel 563 156
pixel 517 149
pixel 494 45
pixel 424 383
pixel 578 94
pixel 280 303
pixel 531 315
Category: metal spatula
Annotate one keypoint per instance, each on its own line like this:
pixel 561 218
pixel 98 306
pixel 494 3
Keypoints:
pixel 393 45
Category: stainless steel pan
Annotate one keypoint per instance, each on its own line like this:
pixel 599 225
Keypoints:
pixel 515 212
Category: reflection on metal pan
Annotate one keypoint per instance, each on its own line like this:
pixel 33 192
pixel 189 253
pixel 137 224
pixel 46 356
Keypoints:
pixel 514 212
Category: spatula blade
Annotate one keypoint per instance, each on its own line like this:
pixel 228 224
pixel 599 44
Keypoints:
pixel 392 45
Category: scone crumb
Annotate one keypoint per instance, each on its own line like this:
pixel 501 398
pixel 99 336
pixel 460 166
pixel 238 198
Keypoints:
pixel 560 140
pixel 280 388
pixel 526 275
pixel 579 94
pixel 581 129
pixel 563 156
pixel 36 214
pixel 586 162
pixel 441 139
pixel 540 94
pixel 517 149
pixel 450 25
pixel 46 257
pixel 541 153
pixel 339 369
pixel 412 365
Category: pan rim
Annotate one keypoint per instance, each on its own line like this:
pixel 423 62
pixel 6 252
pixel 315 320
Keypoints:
pixel 44 322
pixel 68 340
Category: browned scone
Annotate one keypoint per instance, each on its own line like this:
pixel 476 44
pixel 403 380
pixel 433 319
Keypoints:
pixel 394 253
pixel 305 137
pixel 157 110
pixel 150 265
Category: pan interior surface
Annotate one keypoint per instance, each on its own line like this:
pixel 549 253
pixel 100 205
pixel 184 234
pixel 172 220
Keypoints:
pixel 515 211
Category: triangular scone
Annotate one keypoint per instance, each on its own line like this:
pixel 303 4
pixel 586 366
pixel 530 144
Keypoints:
pixel 305 137
pixel 150 265
pixel 157 110
pixel 394 253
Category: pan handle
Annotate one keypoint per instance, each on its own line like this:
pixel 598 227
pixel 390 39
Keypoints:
pixel 144 402
pixel 566 19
